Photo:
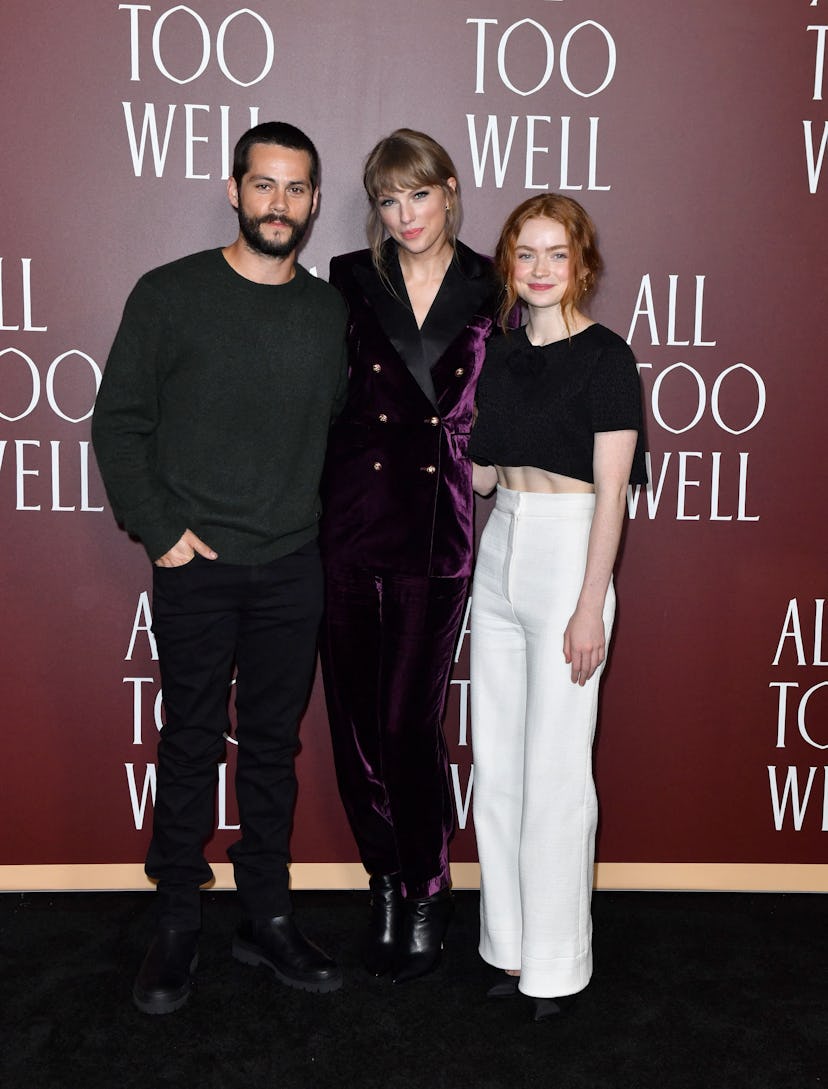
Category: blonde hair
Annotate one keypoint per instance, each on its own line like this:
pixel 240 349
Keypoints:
pixel 408 159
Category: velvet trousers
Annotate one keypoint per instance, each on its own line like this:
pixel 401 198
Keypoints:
pixel 208 617
pixel 387 644
pixel 535 806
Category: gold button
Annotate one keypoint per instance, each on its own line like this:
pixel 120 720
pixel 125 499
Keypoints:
pixel 433 420
pixel 383 419
pixel 376 368
pixel 429 468
pixel 459 372
pixel 377 466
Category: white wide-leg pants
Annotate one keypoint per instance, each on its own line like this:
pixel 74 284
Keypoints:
pixel 535 807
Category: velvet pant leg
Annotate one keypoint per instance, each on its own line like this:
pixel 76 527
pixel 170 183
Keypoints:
pixel 387 651
pixel 535 806
pixel 206 617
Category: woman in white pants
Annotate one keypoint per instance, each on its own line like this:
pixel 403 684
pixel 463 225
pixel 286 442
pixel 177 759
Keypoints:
pixel 558 432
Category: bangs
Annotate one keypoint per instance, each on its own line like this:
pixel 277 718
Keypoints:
pixel 398 170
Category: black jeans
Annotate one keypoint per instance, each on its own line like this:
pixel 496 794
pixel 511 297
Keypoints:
pixel 208 617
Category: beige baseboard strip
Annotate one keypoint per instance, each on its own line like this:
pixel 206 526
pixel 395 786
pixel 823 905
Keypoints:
pixel 620 876
pixel 711 877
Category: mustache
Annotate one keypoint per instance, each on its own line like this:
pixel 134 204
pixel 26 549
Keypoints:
pixel 283 220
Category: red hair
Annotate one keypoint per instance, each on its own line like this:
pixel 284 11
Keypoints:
pixel 585 260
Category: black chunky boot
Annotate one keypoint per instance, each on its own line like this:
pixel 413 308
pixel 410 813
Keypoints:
pixel 165 979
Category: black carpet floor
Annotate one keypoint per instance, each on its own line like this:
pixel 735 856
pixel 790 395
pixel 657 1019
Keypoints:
pixel 690 990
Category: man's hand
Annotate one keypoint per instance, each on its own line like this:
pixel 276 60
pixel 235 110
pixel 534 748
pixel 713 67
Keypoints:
pixel 184 550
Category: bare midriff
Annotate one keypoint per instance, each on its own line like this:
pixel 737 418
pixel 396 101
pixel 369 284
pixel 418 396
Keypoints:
pixel 528 478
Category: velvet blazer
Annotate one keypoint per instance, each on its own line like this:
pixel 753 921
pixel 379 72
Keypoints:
pixel 396 491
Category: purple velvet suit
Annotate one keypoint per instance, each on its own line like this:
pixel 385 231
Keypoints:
pixel 397 538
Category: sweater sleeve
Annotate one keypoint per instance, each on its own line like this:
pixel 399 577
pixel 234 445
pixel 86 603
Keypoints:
pixel 125 421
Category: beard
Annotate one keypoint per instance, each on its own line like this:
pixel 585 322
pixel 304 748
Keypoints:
pixel 251 229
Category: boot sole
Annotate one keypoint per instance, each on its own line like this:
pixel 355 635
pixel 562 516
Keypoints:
pixel 252 955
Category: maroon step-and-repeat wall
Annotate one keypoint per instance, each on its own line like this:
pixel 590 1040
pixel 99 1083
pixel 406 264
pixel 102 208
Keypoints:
pixel 696 136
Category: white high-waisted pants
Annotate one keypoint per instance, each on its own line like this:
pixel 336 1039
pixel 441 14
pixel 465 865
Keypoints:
pixel 535 807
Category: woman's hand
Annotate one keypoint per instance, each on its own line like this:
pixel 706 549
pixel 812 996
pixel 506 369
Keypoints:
pixel 584 644
pixel 484 478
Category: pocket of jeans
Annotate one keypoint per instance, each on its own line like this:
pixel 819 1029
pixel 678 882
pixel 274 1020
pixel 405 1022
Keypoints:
pixel 179 566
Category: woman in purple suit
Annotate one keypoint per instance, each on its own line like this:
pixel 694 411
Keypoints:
pixel 397 536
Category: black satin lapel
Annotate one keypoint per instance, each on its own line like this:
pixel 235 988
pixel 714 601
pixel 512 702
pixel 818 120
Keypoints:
pixel 466 290
pixel 456 301
pixel 396 320
pixel 393 313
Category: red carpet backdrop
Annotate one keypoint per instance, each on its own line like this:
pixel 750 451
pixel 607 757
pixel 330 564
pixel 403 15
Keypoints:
pixel 697 137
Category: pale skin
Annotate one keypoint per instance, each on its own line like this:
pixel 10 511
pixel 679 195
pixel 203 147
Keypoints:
pixel 277 183
pixel 416 220
pixel 541 271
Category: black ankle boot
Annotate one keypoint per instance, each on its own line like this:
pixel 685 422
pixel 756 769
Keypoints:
pixel 280 945
pixel 384 923
pixel 165 979
pixel 425 923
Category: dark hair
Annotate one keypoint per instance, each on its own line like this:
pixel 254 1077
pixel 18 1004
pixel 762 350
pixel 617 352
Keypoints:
pixel 274 132
pixel 585 260
pixel 408 159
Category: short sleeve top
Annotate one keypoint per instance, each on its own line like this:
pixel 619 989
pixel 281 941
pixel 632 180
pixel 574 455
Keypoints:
pixel 542 406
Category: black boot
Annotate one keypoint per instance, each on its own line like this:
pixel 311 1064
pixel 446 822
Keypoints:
pixel 425 923
pixel 380 944
pixel 165 978
pixel 280 945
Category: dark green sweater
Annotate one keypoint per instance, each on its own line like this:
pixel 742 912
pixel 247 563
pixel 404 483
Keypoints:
pixel 214 408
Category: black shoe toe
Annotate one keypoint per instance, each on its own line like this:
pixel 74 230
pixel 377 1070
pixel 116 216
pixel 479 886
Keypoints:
pixel 507 988
pixel 279 944
pixel 165 979
pixel 544 1008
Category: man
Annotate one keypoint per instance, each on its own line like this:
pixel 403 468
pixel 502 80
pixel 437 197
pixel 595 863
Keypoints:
pixel 210 430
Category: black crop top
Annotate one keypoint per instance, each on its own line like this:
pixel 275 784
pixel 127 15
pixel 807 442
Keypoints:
pixel 542 405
